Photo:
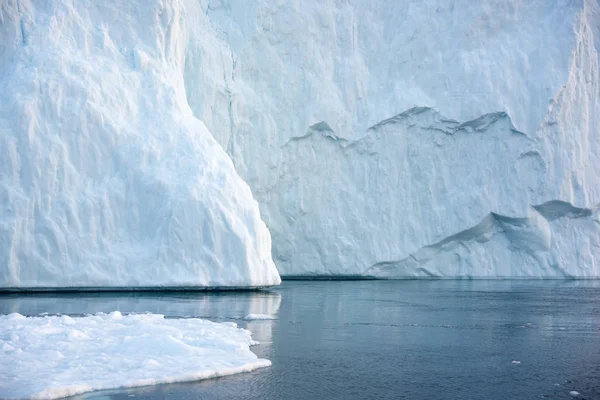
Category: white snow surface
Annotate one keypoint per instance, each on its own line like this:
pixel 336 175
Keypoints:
pixel 106 177
pixel 59 356
pixel 404 139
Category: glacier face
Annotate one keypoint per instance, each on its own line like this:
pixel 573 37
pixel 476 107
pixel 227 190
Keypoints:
pixel 106 176
pixel 487 170
pixel 423 195
pixel 388 139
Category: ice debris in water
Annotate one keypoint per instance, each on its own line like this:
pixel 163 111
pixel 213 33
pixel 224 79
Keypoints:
pixel 58 356
pixel 251 317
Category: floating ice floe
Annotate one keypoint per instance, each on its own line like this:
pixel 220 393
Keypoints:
pixel 58 356
pixel 251 317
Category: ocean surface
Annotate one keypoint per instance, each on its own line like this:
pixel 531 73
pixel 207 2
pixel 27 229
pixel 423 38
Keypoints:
pixel 435 339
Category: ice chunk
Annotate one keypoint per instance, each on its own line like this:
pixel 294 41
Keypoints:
pixel 51 357
pixel 107 179
pixel 250 317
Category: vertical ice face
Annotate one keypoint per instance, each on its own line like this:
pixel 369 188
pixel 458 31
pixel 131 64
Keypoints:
pixel 453 192
pixel 106 176
pixel 422 195
pixel 108 172
pixel 352 64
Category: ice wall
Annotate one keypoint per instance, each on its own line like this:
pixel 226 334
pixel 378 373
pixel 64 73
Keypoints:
pixel 423 195
pixel 497 117
pixel 106 176
pixel 381 138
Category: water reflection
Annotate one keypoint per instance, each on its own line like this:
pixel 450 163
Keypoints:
pixel 226 305
pixel 384 339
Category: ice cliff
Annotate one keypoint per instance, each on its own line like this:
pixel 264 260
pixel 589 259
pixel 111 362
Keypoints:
pixel 423 195
pixel 106 176
pixel 488 169
pixel 380 138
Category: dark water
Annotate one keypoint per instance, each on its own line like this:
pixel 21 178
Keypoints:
pixel 385 339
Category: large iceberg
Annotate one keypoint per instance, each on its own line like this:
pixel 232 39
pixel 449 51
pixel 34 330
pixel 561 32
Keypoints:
pixel 380 138
pixel 489 169
pixel 107 179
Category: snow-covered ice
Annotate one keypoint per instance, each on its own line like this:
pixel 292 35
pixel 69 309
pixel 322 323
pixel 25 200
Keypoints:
pixel 107 178
pixel 58 356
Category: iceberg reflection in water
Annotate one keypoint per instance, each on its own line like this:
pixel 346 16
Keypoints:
pixel 435 339
pixel 172 304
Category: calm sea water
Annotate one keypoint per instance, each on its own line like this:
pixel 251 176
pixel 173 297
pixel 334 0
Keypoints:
pixel 384 339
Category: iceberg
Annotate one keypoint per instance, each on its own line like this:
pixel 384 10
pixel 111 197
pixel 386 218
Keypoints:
pixel 402 139
pixel 107 179
pixel 380 139
pixel 59 356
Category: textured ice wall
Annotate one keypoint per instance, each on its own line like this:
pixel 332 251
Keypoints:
pixel 422 195
pixel 295 87
pixel 276 82
pixel 106 176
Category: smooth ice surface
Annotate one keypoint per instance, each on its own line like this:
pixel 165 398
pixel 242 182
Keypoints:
pixel 106 177
pixel 410 139
pixel 58 356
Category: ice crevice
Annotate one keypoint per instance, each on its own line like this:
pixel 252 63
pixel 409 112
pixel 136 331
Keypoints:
pixel 229 91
